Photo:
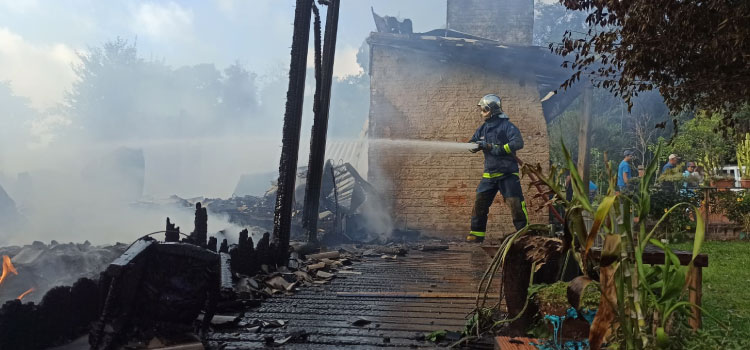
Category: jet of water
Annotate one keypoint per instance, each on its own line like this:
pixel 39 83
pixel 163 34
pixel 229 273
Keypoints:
pixel 424 146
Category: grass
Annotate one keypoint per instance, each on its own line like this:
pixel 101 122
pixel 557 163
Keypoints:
pixel 726 282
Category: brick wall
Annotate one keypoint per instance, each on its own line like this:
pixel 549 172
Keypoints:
pixel 507 21
pixel 416 96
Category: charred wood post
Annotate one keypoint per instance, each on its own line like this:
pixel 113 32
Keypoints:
pixel 321 107
pixel 243 257
pixel 212 244
pixel 200 233
pixel 224 248
pixel 292 126
pixel 263 250
pixel 173 232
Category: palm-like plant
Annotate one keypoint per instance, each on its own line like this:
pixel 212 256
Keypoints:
pixel 626 282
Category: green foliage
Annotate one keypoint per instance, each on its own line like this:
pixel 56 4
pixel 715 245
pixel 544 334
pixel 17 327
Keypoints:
pixel 735 205
pixel 643 46
pixel 675 228
pixel 556 294
pixel 436 336
pixel 743 157
pixel 700 140
pixel 632 282
pixel 725 295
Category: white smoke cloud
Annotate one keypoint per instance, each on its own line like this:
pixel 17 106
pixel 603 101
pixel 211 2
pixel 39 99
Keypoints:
pixel 41 72
pixel 345 63
pixel 162 21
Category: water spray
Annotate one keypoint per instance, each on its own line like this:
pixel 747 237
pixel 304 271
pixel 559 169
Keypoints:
pixel 424 145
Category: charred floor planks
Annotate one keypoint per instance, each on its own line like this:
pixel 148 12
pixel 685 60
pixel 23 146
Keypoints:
pixel 392 303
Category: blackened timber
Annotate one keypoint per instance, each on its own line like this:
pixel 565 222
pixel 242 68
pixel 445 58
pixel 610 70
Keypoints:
pixel 172 232
pixel 309 217
pixel 292 126
pixel 243 257
pixel 321 108
pixel 199 234
pixel 212 244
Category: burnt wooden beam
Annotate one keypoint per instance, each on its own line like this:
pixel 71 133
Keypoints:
pixel 292 127
pixel 200 232
pixel 212 244
pixel 173 232
pixel 321 108
pixel 243 257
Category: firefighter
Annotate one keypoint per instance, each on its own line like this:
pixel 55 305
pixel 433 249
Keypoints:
pixel 499 140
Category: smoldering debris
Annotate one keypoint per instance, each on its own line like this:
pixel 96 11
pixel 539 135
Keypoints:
pixel 63 314
pixel 43 266
pixel 350 210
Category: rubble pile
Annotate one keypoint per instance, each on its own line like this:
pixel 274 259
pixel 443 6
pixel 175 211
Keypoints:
pixel 314 269
pixel 43 266
pixel 350 209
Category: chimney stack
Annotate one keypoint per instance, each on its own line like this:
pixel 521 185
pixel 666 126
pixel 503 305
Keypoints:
pixel 507 21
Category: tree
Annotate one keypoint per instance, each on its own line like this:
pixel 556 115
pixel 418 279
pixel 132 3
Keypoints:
pixel 16 116
pixel 694 52
pixel 552 21
pixel 239 95
pixel 699 137
pixel 119 95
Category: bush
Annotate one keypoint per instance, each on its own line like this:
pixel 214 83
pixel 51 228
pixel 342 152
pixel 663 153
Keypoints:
pixel 676 227
pixel 735 205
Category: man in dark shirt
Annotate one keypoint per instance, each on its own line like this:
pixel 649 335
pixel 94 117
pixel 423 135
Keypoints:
pixel 499 140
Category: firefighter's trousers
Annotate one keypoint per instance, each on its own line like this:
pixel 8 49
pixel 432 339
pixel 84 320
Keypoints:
pixel 509 186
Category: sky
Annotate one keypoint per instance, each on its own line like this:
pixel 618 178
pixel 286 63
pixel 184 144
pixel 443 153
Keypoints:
pixel 39 39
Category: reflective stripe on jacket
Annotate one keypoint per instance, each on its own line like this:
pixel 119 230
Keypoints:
pixel 505 139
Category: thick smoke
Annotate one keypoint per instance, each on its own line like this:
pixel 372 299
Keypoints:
pixel 133 132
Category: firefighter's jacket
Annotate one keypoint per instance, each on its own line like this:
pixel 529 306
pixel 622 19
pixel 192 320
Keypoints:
pixel 505 139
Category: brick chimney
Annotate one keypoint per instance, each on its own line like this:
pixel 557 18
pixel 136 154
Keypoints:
pixel 507 21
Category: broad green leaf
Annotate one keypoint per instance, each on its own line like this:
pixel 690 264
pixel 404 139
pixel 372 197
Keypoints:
pixel 700 233
pixel 580 191
pixel 575 225
pixel 601 214
pixel 663 217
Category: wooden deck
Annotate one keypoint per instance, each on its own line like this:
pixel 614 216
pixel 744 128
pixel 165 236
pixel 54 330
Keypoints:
pixel 393 301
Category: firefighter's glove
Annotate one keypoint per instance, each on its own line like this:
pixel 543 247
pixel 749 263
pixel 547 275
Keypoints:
pixel 484 145
pixel 476 148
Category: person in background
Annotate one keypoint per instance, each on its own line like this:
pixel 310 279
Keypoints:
pixel 692 177
pixel 624 171
pixel 671 164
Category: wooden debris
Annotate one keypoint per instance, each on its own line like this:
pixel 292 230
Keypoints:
pixel 325 255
